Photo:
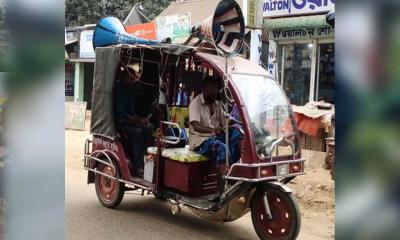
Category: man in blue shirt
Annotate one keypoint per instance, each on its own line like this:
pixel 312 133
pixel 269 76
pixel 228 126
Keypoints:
pixel 137 129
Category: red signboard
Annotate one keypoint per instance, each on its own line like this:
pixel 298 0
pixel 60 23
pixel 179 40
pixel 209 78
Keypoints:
pixel 145 30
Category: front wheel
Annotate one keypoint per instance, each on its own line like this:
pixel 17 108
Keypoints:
pixel 109 191
pixel 286 219
pixel 160 196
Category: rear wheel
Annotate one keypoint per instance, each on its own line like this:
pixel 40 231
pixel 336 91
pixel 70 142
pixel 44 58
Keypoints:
pixel 109 191
pixel 286 219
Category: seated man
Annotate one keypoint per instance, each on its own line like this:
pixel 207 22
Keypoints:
pixel 127 121
pixel 207 120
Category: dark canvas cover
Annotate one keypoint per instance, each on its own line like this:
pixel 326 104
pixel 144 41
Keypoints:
pixel 106 65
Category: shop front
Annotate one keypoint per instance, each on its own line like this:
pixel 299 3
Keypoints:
pixel 69 82
pixel 305 63
pixel 301 56
pixel 302 52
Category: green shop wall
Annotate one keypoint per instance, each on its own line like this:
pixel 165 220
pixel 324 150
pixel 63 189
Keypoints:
pixel 83 86
pixel 78 82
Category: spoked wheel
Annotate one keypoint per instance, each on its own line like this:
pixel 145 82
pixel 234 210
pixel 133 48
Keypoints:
pixel 109 191
pixel 286 219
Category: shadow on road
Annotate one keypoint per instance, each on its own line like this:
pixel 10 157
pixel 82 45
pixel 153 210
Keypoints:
pixel 156 210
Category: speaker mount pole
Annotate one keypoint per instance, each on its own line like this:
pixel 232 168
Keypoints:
pixel 226 121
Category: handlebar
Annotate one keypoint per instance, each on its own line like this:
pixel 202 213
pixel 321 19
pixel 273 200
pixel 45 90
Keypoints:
pixel 172 140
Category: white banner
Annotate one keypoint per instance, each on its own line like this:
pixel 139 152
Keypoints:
pixel 272 64
pixel 278 8
pixel 85 44
pixel 255 45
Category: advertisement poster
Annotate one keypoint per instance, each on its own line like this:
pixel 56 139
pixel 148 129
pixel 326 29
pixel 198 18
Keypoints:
pixel 69 80
pixel 86 47
pixel 254 14
pixel 176 27
pixel 272 64
pixel 145 30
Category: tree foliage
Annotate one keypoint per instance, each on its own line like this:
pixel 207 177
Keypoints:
pixel 3 15
pixel 81 12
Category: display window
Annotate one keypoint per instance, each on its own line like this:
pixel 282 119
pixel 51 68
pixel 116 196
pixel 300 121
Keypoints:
pixel 325 84
pixel 306 70
pixel 295 71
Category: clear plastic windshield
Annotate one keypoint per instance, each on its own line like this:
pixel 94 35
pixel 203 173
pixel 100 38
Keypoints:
pixel 268 110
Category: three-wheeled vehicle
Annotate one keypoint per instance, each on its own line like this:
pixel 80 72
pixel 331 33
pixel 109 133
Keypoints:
pixel 270 153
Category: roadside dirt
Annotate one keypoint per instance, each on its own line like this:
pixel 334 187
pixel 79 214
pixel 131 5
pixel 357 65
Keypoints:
pixel 315 192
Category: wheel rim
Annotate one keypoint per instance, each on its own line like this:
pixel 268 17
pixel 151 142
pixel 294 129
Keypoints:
pixel 279 227
pixel 107 187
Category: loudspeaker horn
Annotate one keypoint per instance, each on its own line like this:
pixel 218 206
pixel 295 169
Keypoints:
pixel 110 31
pixel 224 29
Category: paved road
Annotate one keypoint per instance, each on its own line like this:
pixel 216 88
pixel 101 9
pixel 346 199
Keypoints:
pixel 141 218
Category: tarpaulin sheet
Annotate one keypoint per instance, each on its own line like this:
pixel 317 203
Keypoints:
pixel 311 109
pixel 310 118
pixel 307 125
pixel 106 65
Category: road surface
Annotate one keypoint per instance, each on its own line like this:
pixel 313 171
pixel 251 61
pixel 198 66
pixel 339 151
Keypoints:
pixel 145 218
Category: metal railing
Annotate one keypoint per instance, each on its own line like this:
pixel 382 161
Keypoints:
pixel 171 139
pixel 276 143
pixel 259 166
pixel 88 157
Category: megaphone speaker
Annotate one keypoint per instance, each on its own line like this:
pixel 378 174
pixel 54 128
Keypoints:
pixel 110 31
pixel 225 28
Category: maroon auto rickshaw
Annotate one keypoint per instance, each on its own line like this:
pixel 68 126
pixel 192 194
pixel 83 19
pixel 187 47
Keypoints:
pixel 172 77
pixel 270 153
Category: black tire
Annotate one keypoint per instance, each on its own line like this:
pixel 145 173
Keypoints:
pixel 160 196
pixel 110 192
pixel 286 218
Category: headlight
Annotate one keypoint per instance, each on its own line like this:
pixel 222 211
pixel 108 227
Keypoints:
pixel 282 169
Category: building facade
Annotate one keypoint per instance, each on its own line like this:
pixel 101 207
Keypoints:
pixel 80 57
pixel 79 64
pixel 301 47
pixel 290 38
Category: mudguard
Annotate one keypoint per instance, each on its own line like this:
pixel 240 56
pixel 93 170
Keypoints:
pixel 280 185
pixel 265 185
pixel 102 155
pixel 90 177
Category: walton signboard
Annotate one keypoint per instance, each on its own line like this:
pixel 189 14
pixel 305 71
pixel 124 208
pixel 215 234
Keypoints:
pixel 302 33
pixel 278 8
